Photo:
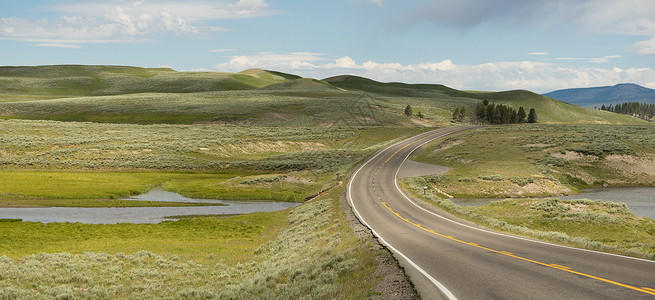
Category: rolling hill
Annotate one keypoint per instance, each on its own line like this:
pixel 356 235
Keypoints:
pixel 117 94
pixel 605 95
pixel 48 82
pixel 549 110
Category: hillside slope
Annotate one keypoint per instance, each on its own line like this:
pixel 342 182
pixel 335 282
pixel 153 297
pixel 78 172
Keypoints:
pixel 48 82
pixel 116 94
pixel 549 110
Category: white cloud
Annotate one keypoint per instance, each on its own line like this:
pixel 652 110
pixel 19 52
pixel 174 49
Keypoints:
pixel 123 21
pixel 539 53
pixel 345 63
pixel 192 10
pixel 536 76
pixel 294 61
pixel 246 8
pixel 645 47
pixel 603 59
pixel 633 17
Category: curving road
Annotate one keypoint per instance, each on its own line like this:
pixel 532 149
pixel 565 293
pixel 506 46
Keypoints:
pixel 447 258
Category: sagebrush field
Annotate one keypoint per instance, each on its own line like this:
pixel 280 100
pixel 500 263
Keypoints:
pixel 87 136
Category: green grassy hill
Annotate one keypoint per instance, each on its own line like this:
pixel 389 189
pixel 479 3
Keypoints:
pixel 116 94
pixel 549 110
pixel 48 82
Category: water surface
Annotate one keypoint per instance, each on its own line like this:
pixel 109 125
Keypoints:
pixel 640 200
pixel 113 215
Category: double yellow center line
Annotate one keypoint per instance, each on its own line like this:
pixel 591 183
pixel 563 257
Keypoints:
pixel 646 290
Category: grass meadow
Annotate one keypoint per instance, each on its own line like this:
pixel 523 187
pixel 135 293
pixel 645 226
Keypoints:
pixel 591 224
pixel 308 252
pixel 51 162
pixel 543 160
pixel 87 136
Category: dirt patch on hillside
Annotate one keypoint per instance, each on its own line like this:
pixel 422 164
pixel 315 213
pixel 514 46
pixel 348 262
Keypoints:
pixel 631 165
pixel 448 145
pixel 423 122
pixel 544 186
pixel 274 116
pixel 5 153
pixel 538 145
pixel 570 156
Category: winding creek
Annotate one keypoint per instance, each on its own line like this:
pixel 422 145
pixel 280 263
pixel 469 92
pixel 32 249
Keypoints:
pixel 114 215
pixel 640 200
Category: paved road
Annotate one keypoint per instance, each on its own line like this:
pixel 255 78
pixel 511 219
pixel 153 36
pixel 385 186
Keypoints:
pixel 446 258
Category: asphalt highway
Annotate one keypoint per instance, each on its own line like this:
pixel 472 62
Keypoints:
pixel 447 258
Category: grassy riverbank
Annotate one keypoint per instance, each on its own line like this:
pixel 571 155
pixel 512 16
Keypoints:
pixel 89 135
pixel 591 224
pixel 66 163
pixel 547 160
pixel 308 251
pixel 543 160
pixel 103 189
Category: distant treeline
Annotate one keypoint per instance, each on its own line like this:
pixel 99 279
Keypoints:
pixel 490 113
pixel 636 109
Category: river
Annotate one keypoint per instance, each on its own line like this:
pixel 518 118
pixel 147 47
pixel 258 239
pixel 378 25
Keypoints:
pixel 114 215
pixel 641 200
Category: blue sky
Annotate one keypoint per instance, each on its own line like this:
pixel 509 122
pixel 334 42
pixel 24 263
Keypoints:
pixel 540 45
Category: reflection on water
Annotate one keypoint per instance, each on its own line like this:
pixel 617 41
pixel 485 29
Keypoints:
pixel 113 215
pixel 640 200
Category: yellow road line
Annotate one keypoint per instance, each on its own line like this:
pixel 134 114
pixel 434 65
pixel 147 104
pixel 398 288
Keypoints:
pixel 554 266
pixel 509 254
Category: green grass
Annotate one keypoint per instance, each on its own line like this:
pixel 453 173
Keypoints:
pixel 78 185
pixel 308 251
pixel 71 80
pixel 150 96
pixel 255 134
pixel 231 237
pixel 542 160
pixel 430 96
pixel 64 163
pixel 101 189
pixel 591 224
pixel 607 222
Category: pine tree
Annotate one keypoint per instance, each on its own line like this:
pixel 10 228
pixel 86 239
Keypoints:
pixel 513 117
pixel 408 110
pixel 459 114
pixel 532 116
pixel 480 113
pixel 521 115
pixel 456 114
pixel 491 112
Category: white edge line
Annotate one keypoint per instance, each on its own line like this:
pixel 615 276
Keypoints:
pixel 490 231
pixel 438 284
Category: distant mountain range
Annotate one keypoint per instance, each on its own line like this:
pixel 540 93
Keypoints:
pixel 605 95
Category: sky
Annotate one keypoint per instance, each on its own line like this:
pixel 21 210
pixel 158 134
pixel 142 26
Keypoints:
pixel 491 45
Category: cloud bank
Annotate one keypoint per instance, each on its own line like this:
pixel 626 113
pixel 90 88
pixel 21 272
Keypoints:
pixel 622 17
pixel 126 21
pixel 539 77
